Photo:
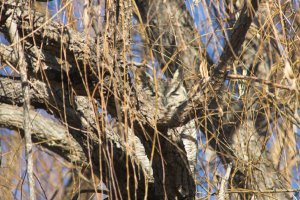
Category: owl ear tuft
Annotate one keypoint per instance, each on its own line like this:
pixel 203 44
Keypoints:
pixel 176 76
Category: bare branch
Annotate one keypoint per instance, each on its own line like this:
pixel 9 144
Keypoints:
pixel 50 134
pixel 15 38
pixel 84 113
pixel 233 43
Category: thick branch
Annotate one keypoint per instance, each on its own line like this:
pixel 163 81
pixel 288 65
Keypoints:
pixel 82 118
pixel 45 131
pixel 233 44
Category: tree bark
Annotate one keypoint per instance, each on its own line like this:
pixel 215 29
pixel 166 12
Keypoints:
pixel 149 149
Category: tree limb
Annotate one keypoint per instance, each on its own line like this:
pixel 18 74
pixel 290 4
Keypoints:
pixel 47 132
pixel 15 38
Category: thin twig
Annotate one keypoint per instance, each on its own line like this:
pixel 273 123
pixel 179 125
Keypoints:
pixel 263 191
pixel 256 79
pixel 15 38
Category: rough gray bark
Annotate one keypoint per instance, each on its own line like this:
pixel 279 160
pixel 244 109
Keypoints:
pixel 81 117
pixel 153 118
pixel 44 129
